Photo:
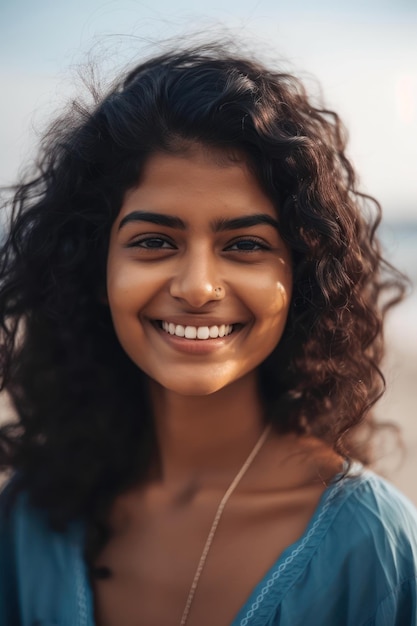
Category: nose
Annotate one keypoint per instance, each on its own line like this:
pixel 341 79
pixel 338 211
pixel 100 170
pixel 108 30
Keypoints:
pixel 196 279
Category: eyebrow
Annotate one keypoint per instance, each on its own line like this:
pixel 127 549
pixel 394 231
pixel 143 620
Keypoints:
pixel 245 222
pixel 220 225
pixel 153 218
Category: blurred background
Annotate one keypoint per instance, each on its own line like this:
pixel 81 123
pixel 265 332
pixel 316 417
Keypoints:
pixel 363 54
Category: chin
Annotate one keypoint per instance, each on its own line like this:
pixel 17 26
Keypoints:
pixel 200 389
pixel 193 382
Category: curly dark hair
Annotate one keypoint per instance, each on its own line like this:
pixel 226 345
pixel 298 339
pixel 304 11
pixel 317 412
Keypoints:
pixel 84 431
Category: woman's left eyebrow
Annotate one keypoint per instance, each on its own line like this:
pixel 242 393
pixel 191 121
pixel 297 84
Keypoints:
pixel 246 221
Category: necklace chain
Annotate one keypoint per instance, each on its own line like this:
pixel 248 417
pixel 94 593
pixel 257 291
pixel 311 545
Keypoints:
pixel 216 521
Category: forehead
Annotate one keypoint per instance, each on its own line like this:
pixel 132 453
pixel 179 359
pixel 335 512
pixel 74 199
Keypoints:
pixel 199 181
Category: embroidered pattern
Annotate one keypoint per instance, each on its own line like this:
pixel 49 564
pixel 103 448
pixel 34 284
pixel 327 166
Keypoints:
pixel 80 591
pixel 294 554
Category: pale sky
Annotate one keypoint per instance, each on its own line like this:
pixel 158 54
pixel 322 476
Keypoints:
pixel 363 52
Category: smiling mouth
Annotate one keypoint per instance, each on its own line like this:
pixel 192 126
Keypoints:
pixel 198 332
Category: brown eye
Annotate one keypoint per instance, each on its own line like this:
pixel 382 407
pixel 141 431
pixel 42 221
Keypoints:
pixel 247 245
pixel 152 243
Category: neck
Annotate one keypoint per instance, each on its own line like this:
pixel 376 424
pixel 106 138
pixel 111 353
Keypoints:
pixel 204 439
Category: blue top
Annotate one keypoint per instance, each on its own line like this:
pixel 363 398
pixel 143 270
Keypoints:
pixel 355 565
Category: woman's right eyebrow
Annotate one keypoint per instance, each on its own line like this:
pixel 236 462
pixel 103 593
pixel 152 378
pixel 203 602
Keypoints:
pixel 153 218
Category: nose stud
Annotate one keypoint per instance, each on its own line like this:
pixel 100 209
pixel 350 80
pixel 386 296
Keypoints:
pixel 219 292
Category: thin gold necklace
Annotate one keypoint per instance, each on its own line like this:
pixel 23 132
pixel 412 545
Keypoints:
pixel 216 521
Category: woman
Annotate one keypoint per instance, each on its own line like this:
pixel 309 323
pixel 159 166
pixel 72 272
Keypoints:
pixel 191 301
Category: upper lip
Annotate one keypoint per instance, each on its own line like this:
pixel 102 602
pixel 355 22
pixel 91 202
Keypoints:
pixel 182 320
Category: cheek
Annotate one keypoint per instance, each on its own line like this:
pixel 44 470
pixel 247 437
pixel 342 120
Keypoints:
pixel 270 306
pixel 282 296
pixel 270 295
pixel 128 289
pixel 120 291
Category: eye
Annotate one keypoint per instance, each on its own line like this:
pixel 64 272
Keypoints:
pixel 152 243
pixel 247 245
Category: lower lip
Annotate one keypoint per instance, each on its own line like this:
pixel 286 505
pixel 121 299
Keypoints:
pixel 195 346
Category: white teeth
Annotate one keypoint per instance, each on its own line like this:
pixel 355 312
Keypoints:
pixel 197 332
pixel 190 332
pixel 203 332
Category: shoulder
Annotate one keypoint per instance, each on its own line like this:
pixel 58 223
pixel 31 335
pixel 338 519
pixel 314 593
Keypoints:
pixel 354 565
pixel 364 511
pixel 35 559
pixel 23 524
pixel 367 551
pixel 372 507
pixel 26 529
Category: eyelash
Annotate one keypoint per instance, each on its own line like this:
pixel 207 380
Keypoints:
pixel 141 243
pixel 261 245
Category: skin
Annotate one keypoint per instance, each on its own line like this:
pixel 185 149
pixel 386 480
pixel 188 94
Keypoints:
pixel 175 280
pixel 207 409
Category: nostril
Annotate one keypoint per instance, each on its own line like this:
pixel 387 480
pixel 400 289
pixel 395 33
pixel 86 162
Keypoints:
pixel 195 293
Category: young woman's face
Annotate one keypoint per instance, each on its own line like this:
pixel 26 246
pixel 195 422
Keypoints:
pixel 195 251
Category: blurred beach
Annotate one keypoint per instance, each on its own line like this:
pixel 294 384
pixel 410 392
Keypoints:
pixel 400 367
pixel 399 464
